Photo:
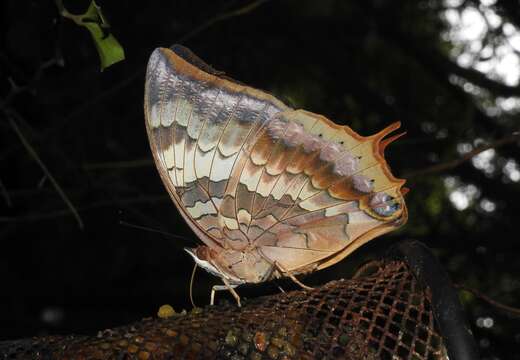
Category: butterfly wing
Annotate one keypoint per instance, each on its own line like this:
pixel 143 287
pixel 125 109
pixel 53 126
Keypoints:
pixel 198 124
pixel 317 191
pixel 251 174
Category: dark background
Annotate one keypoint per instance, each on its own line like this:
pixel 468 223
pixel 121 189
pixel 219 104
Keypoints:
pixel 361 63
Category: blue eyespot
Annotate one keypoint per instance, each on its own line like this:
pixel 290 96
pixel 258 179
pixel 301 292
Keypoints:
pixel 384 204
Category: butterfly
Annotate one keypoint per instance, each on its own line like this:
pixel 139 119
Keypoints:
pixel 270 190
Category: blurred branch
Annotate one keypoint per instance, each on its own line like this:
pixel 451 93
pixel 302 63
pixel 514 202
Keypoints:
pixel 118 165
pixel 475 77
pixel 221 17
pixel 510 10
pixel 16 90
pixel 152 230
pixel 512 311
pixel 441 63
pixel 10 117
pixel 66 212
pixel 5 194
pixel 468 156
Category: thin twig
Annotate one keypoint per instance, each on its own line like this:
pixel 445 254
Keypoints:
pixel 238 12
pixel 36 158
pixel 42 181
pixel 101 204
pixel 5 194
pixel 145 228
pixel 514 312
pixel 66 14
pixel 16 90
pixel 130 164
pixel 468 156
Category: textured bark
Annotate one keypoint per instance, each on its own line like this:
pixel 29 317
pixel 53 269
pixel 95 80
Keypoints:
pixel 373 316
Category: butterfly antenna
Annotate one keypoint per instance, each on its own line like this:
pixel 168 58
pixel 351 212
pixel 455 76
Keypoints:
pixel 140 227
pixel 191 285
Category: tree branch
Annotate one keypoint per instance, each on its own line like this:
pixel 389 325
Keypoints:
pixel 468 156
pixel 11 114
pixel 434 59
pixel 511 311
pixel 478 78
pixel 5 194
pixel 220 17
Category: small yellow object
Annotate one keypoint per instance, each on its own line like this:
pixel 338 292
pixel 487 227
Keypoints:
pixel 196 310
pixel 231 338
pixel 165 311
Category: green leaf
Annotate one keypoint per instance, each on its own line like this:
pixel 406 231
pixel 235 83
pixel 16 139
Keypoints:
pixel 109 49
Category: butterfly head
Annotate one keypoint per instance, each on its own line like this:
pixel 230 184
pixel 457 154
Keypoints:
pixel 207 259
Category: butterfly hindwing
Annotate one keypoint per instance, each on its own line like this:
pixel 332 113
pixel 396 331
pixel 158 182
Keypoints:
pixel 311 211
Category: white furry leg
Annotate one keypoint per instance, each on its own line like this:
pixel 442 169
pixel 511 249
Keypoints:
pixel 226 286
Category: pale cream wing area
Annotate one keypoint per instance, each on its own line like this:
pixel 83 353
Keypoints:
pixel 198 125
pixel 312 192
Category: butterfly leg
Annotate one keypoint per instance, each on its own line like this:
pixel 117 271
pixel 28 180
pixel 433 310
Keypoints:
pixel 226 286
pixel 286 272
pixel 280 288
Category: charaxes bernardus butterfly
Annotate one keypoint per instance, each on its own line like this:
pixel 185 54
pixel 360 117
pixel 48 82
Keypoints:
pixel 271 191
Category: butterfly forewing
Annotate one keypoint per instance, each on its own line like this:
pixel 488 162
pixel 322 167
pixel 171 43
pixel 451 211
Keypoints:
pixel 198 125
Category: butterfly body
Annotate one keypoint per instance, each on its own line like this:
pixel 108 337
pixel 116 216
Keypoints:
pixel 271 191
